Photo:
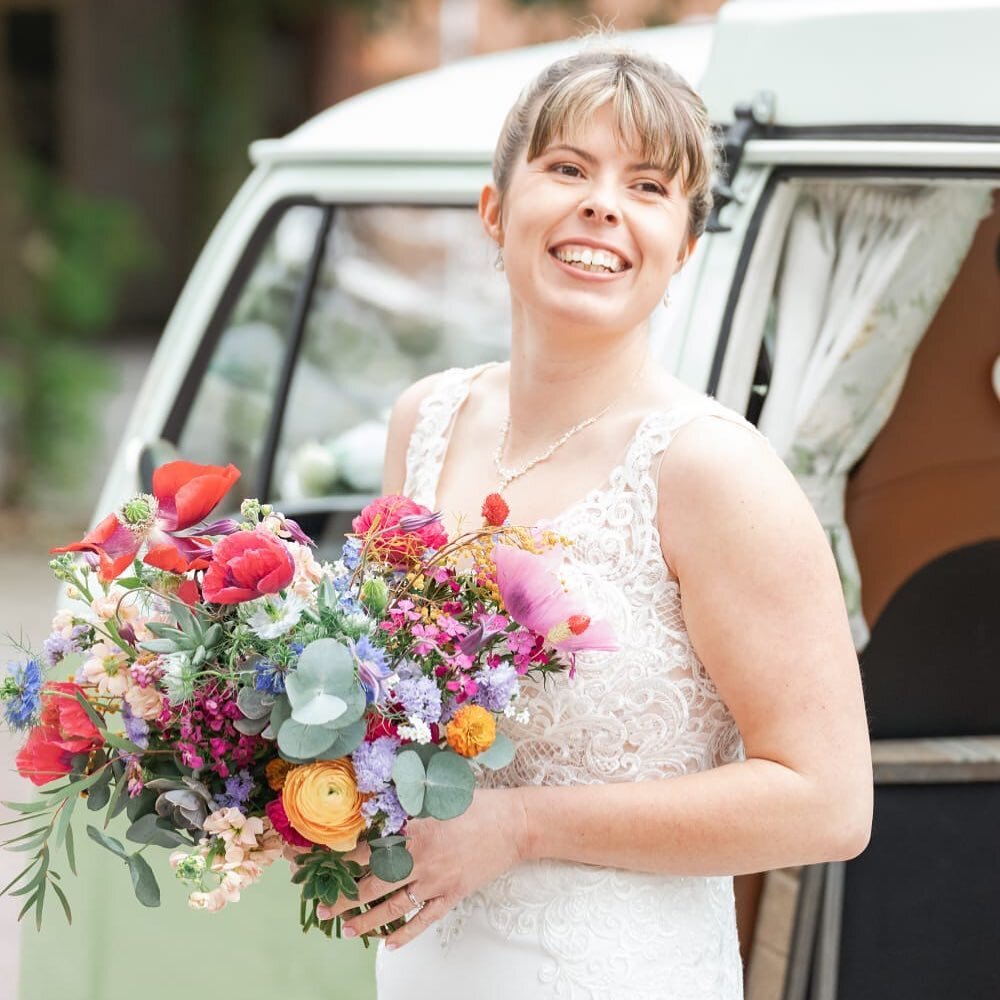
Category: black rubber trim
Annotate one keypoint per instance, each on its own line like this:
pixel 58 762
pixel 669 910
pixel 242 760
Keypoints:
pixel 298 325
pixel 780 175
pixel 893 131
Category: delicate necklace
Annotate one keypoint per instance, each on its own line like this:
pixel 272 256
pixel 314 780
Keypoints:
pixel 507 476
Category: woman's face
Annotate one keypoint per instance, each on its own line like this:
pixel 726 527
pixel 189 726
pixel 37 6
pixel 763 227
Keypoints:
pixel 591 234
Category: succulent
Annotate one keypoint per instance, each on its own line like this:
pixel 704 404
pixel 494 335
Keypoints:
pixel 196 640
pixel 185 802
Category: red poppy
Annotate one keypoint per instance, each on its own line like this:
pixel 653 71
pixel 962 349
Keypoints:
pixel 246 566
pixel 183 494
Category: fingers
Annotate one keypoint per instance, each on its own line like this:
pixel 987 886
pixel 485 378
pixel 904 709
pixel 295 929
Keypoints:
pixel 391 908
pixel 369 888
pixel 418 923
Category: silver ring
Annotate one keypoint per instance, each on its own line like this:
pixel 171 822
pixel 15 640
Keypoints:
pixel 418 904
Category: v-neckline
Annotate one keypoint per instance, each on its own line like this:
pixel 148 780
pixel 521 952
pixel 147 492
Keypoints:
pixel 606 485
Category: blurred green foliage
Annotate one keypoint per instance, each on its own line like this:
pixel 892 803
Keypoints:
pixel 66 256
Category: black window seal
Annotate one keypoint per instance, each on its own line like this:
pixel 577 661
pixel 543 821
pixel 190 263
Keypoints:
pixel 778 176
pixel 300 314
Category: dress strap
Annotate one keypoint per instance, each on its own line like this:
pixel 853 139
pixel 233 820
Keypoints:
pixel 431 433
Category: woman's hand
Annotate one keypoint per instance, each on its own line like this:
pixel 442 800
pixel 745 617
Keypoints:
pixel 451 860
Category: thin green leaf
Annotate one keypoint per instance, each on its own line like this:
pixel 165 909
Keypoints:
pixel 109 843
pixel 62 824
pixel 65 902
pixel 27 807
pixel 70 850
pixel 25 836
pixel 118 801
pixel 29 845
pixel 38 906
pixel 31 886
pixel 17 878
pixel 120 742
pixel 29 903
pixel 74 787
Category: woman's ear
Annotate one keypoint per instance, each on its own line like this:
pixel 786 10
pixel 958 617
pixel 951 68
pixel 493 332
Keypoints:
pixel 489 212
pixel 686 250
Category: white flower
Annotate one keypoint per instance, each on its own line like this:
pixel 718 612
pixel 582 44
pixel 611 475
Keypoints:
pixel 417 730
pixel 273 616
pixel 339 570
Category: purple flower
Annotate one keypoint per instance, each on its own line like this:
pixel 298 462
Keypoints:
pixel 420 697
pixel 21 692
pixel 136 728
pixel 496 687
pixel 414 522
pixel 237 791
pixel 373 763
pixel 351 553
pixel 372 668
pixel 386 803
pixel 57 647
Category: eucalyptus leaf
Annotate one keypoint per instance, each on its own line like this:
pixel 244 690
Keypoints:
pixel 282 710
pixel 89 709
pixel 304 742
pixel 410 779
pixel 62 823
pixel 148 830
pixel 356 705
pixel 390 840
pixel 450 785
pixel 120 742
pixel 144 802
pixel 347 741
pixel 147 890
pixel 391 864
pixel 319 710
pixel 70 850
pixel 255 704
pixel 114 846
pixel 28 807
pixel 500 754
pixel 65 902
pixel 318 686
pixel 251 727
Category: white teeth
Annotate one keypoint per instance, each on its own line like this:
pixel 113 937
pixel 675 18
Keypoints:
pixel 589 259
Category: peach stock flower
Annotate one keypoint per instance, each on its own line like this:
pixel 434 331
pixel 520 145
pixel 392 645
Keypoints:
pixel 471 731
pixel 323 803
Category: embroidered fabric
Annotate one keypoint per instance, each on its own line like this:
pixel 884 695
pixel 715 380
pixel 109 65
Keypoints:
pixel 646 711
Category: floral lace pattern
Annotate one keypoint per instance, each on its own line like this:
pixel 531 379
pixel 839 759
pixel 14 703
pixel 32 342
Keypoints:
pixel 647 711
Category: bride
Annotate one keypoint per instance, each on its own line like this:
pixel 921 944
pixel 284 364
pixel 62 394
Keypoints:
pixel 727 734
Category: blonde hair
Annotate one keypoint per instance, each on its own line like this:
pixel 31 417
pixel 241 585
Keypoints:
pixel 654 107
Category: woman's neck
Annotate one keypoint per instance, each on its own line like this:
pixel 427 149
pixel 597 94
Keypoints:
pixel 557 380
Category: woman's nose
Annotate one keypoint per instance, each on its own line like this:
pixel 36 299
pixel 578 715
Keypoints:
pixel 599 206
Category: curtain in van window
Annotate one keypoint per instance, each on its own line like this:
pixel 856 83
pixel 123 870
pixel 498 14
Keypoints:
pixel 864 270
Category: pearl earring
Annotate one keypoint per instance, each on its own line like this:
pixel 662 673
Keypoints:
pixel 498 260
pixel 666 299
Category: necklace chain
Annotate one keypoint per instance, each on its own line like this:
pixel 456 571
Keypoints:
pixel 507 476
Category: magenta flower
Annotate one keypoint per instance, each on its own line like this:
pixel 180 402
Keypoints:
pixel 534 598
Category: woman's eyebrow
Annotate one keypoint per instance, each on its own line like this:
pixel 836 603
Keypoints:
pixel 581 153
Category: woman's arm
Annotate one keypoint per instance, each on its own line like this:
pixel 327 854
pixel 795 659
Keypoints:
pixel 763 606
pixel 401 423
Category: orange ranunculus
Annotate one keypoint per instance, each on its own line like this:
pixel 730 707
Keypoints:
pixel 276 771
pixel 471 731
pixel 323 803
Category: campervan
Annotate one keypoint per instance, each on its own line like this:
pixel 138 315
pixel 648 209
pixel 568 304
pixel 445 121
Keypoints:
pixel 846 298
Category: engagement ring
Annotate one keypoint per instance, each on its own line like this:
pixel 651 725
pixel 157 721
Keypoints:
pixel 418 904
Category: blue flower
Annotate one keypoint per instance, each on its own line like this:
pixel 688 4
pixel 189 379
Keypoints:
pixel 57 647
pixel 238 789
pixel 269 677
pixel 373 763
pixel 351 553
pixel 21 692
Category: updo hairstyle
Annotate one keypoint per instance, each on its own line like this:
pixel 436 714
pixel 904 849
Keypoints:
pixel 653 106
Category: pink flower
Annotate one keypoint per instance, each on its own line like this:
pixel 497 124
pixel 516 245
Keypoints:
pixel 275 810
pixel 534 598
pixel 246 566
pixel 397 530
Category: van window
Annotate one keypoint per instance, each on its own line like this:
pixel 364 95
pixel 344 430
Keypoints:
pixel 402 291
pixel 233 402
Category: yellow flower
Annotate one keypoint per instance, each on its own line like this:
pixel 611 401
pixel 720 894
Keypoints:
pixel 471 731
pixel 276 771
pixel 323 803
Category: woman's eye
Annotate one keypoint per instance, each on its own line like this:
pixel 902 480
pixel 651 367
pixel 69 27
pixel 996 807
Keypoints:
pixel 652 187
pixel 567 170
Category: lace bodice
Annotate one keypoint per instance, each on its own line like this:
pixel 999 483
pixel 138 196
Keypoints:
pixel 647 711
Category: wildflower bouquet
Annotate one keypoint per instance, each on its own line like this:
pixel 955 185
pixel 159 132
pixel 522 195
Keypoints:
pixel 240 701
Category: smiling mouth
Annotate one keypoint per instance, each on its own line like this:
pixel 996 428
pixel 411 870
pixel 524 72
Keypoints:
pixel 590 259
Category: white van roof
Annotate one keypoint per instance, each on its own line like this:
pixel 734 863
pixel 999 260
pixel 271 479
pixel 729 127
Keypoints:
pixel 828 63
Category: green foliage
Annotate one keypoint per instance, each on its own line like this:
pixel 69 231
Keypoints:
pixel 499 754
pixel 390 860
pixel 441 788
pixel 67 260
pixel 324 876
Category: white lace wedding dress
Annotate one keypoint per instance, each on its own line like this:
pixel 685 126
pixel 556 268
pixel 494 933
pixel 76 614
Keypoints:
pixel 558 930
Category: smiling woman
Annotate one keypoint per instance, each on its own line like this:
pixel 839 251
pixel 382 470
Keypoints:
pixel 722 736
